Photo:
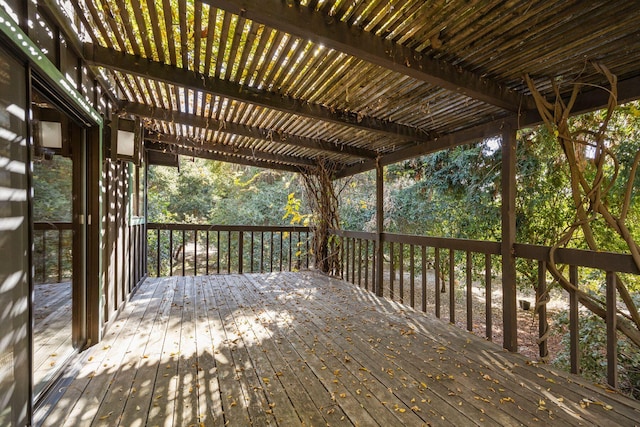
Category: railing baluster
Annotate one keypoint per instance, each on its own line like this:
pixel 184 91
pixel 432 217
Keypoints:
pixel 218 252
pixel 306 240
pixel 207 252
pixel 412 282
pixel 342 260
pixel 345 258
pixel 44 256
pixel 271 253
pixel 158 254
pixel 541 303
pixel 240 251
pixel 612 339
pixel 452 284
pixel 299 252
pixel 59 256
pixel 195 252
pixel 401 265
pixel 281 251
pixel 374 280
pixel 392 272
pixel 184 245
pixel 469 268
pixel 229 252
pixel 488 295
pixel 353 260
pixel 437 279
pixel 360 262
pixel 573 322
pixel 424 278
pixel 171 252
pixel 252 249
pixel 366 264
pixel 262 252
pixel 290 248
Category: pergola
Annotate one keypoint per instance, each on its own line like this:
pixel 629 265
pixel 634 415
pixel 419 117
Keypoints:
pixel 358 85
pixel 310 86
pixel 285 84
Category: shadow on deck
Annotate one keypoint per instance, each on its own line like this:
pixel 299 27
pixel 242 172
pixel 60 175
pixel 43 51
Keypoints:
pixel 304 349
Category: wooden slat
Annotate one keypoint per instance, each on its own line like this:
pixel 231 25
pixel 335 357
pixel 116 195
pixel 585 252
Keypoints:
pixel 337 35
pixel 167 12
pixel 221 38
pixel 101 56
pixel 132 37
pixel 229 158
pixel 211 27
pixel 166 115
pixel 165 143
pixel 184 33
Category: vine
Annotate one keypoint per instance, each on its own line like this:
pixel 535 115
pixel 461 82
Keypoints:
pixel 590 191
pixel 323 202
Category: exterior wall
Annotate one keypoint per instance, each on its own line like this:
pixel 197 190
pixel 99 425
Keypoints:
pixel 112 249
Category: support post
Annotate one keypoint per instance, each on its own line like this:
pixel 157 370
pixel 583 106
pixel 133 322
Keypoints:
pixel 379 228
pixel 510 324
pixel 96 276
pixel 612 333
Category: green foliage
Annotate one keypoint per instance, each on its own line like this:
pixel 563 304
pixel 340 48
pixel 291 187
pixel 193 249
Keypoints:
pixel 52 189
pixel 208 192
pixel 593 358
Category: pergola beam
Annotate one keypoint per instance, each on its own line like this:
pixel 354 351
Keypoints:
pixel 589 100
pixel 169 116
pixel 447 141
pixel 210 155
pixel 322 29
pixel 130 64
pixel 185 142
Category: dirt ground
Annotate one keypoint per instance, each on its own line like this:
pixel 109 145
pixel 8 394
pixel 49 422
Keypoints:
pixel 527 319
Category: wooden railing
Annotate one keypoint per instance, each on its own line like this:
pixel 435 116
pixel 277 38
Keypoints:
pixel 52 242
pixel 419 270
pixel 136 251
pixel 191 249
pixel 53 247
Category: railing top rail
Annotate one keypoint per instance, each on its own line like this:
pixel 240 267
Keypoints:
pixel 607 261
pixel 355 234
pixel 217 227
pixel 479 246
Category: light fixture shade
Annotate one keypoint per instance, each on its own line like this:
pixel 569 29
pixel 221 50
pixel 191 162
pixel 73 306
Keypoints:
pixel 126 143
pixel 51 134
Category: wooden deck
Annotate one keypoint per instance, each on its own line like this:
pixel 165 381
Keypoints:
pixel 303 349
pixel 52 331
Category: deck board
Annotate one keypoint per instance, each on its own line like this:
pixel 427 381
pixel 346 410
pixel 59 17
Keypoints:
pixel 52 330
pixel 304 349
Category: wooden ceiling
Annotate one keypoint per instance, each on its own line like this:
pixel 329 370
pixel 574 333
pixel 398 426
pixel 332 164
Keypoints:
pixel 285 84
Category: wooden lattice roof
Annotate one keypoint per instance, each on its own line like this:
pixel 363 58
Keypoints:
pixel 284 84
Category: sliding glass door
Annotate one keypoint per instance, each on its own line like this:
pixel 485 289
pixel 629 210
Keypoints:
pixel 58 298
pixel 15 372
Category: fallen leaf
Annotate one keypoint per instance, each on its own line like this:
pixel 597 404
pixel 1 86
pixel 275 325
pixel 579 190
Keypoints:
pixel 104 417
